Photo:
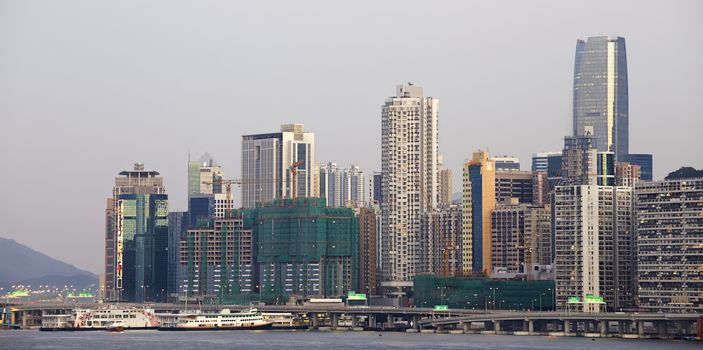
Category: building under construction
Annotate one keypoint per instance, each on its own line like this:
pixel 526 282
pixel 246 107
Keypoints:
pixel 521 241
pixel 217 262
pixel 304 249
pixel 440 231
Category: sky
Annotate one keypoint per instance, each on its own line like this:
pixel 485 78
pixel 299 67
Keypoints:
pixel 89 87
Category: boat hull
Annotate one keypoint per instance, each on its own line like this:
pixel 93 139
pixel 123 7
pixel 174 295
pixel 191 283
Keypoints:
pixel 85 329
pixel 223 328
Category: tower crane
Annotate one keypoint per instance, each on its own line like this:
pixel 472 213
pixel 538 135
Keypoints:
pixel 294 179
pixel 228 188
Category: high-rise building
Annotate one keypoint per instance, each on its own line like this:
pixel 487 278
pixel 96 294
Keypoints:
pixel 204 175
pixel 507 163
pixel 645 163
pixel 540 188
pixel 177 227
pixel 513 184
pixel 445 187
pixel 139 234
pixel 267 165
pixel 579 160
pixel 353 187
pixel 670 245
pixel 440 231
pixel 600 93
pixel 627 174
pixel 595 247
pixel 376 189
pixel 304 248
pixel 202 208
pixel 331 184
pixel 217 262
pixel 521 241
pixel 548 162
pixel 582 164
pixel 368 256
pixel 409 154
pixel 108 289
pixel 478 200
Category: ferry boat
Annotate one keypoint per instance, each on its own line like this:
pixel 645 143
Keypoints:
pixel 116 327
pixel 102 319
pixel 224 320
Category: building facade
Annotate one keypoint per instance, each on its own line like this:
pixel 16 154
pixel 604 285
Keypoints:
pixel 627 174
pixel 204 176
pixel 645 163
pixel 521 241
pixel 670 245
pixel 478 200
pixel 595 247
pixel 304 248
pixel 440 231
pixel 376 188
pixel 267 165
pixel 514 184
pixel 409 157
pixel 368 251
pixel 353 187
pixel 217 262
pixel 137 266
pixel 177 228
pixel 331 184
pixel 601 93
pixel 507 163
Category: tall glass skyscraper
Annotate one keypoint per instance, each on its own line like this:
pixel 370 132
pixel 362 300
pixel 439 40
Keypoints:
pixel 600 92
pixel 136 266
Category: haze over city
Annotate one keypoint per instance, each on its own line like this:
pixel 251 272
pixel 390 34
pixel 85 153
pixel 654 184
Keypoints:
pixel 90 87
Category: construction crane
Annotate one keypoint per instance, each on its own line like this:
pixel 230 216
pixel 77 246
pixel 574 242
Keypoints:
pixel 228 189
pixel 448 247
pixel 294 171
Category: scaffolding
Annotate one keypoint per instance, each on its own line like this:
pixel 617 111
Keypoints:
pixel 304 248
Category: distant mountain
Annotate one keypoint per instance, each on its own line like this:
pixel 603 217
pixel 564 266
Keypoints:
pixel 685 172
pixel 23 265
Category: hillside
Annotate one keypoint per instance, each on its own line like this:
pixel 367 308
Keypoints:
pixel 21 264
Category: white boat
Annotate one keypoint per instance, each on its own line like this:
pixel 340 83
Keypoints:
pixel 113 317
pixel 224 320
pixel 127 317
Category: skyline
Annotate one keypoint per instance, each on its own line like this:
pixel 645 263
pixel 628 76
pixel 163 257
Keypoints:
pixel 90 116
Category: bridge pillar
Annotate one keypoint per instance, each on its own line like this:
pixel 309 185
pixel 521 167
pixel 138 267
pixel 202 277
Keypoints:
pixel 315 321
pixel 567 327
pixel 416 320
pixel 531 326
pixel 640 328
pixel 334 318
pixel 496 326
pixel 354 321
pixel 372 321
pixel 466 326
pixel 603 328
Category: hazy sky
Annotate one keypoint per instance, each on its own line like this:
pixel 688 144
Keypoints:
pixel 89 87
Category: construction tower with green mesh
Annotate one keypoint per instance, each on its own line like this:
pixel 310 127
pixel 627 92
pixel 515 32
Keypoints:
pixel 303 248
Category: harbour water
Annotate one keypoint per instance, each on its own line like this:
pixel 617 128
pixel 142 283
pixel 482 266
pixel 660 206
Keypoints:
pixel 279 340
